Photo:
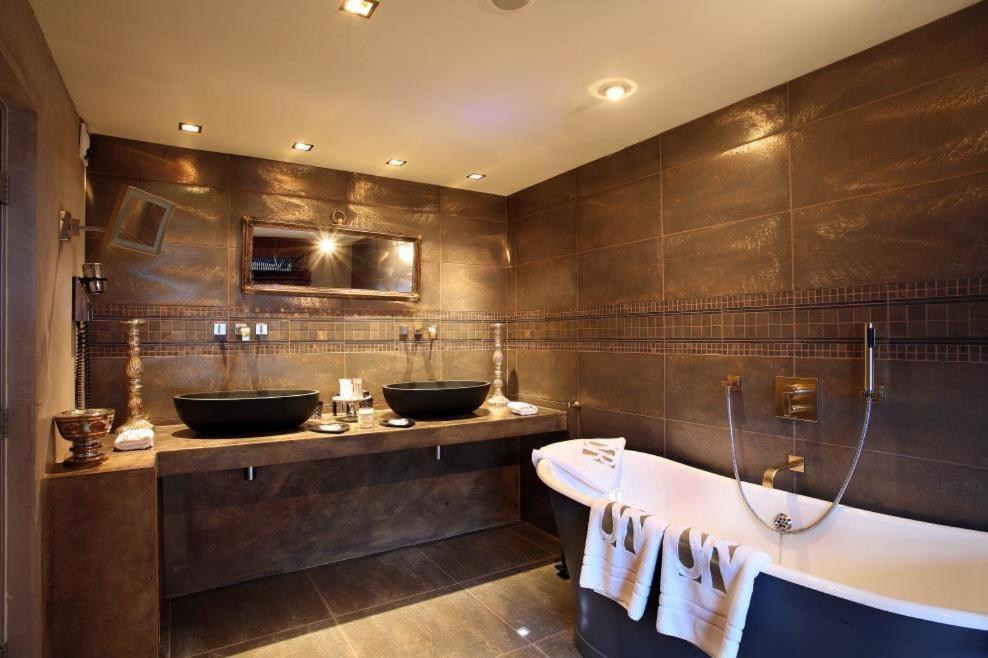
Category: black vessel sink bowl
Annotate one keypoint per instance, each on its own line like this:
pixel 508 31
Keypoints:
pixel 435 399
pixel 228 412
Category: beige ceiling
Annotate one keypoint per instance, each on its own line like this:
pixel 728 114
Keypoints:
pixel 453 86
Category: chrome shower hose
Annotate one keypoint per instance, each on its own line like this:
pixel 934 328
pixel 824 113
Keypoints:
pixel 840 493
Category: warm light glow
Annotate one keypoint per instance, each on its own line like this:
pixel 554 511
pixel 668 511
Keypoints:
pixel 615 91
pixel 327 245
pixel 476 176
pixel 395 162
pixel 523 631
pixel 189 127
pixel 406 252
pixel 302 146
pixel 359 7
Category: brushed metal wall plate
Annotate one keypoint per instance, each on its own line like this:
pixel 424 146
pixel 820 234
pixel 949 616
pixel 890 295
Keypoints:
pixel 797 398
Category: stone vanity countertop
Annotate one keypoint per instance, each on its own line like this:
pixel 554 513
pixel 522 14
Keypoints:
pixel 179 449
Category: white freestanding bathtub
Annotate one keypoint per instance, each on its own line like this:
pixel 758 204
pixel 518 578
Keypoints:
pixel 862 584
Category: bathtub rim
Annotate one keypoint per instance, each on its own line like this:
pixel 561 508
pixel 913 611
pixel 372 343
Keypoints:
pixel 950 616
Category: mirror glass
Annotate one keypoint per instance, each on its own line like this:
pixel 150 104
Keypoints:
pixel 140 220
pixel 330 261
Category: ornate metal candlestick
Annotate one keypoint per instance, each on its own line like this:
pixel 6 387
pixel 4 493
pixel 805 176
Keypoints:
pixel 137 419
pixel 497 398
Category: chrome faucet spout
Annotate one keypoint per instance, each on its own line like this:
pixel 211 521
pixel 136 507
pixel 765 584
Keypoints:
pixel 796 464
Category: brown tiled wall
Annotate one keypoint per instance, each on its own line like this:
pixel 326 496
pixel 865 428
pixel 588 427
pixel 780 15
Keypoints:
pixel 756 240
pixel 312 341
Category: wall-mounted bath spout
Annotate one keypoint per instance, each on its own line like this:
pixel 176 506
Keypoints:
pixel 795 464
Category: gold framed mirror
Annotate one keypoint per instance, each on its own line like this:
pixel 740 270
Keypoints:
pixel 301 258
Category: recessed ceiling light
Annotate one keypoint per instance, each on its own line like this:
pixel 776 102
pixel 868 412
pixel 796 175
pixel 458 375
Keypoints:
pixel 476 176
pixel 613 89
pixel 189 127
pixel 395 162
pixel 359 7
pixel 302 146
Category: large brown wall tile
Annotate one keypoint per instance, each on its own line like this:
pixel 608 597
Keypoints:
pixel 940 48
pixel 394 193
pixel 920 489
pixel 931 231
pixel 547 375
pixel 753 118
pixel 321 372
pixel 709 448
pixel 642 433
pixel 741 257
pixel 746 181
pixel 626 382
pixel 180 274
pixel 473 241
pixel 466 203
pixel 629 164
pixel 404 222
pixel 616 275
pixel 380 368
pixel 475 365
pixel 287 178
pixel 127 158
pixel 928 413
pixel 473 287
pixel 545 234
pixel 932 132
pixel 538 197
pixel 546 284
pixel 623 214
pixel 201 215
pixel 694 393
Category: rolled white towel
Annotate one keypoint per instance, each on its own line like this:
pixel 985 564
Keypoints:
pixel 596 462
pixel 141 439
pixel 522 408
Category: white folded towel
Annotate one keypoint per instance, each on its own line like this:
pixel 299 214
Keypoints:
pixel 522 408
pixel 134 440
pixel 619 557
pixel 705 587
pixel 597 462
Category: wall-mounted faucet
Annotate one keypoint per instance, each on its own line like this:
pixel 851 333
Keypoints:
pixel 795 463
pixel 796 398
pixel 243 330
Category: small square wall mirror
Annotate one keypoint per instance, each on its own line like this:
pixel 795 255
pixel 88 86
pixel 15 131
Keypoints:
pixel 296 258
pixel 139 221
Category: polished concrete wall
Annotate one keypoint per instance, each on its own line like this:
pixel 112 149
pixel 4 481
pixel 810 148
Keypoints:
pixel 756 240
pixel 46 175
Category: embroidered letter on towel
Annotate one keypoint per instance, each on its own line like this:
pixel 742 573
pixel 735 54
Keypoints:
pixel 596 462
pixel 705 587
pixel 619 558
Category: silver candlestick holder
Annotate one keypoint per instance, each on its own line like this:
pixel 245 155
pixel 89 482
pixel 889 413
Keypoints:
pixel 497 398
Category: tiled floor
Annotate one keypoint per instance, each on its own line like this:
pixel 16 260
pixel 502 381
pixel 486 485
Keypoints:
pixel 489 593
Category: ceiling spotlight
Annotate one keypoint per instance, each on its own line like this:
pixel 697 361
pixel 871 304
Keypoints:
pixel 359 7
pixel 613 89
pixel 395 162
pixel 189 127
pixel 302 146
pixel 476 176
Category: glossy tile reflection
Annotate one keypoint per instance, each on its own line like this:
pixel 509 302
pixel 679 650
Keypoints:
pixel 417 601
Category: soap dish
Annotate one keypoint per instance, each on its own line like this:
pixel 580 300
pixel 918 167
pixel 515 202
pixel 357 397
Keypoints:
pixel 398 422
pixel 330 428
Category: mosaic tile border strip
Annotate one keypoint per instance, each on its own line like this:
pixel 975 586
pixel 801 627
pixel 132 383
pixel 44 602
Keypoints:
pixel 254 348
pixel 218 313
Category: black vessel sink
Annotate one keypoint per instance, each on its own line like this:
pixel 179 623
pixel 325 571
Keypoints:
pixel 227 412
pixel 436 398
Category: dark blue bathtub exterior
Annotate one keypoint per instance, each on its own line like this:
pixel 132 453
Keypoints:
pixel 784 620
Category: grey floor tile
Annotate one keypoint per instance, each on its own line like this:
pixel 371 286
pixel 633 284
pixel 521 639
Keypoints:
pixel 535 599
pixel 481 553
pixel 525 652
pixel 365 582
pixel 559 645
pixel 229 615
pixel 322 639
pixel 537 536
pixel 448 622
